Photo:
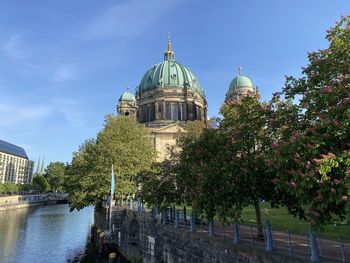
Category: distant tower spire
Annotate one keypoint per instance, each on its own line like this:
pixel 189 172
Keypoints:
pixel 169 54
pixel 42 167
pixel 37 166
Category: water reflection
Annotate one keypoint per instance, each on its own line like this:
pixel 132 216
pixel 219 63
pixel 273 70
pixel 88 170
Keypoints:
pixel 43 234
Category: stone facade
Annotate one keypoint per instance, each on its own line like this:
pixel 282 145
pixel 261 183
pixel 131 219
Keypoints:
pixel 169 96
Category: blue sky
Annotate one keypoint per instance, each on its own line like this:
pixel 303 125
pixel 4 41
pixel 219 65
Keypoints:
pixel 64 64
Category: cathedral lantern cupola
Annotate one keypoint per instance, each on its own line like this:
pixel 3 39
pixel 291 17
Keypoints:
pixel 127 105
pixel 169 54
pixel 240 86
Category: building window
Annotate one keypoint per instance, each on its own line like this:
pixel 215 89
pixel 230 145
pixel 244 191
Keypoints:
pixel 148 113
pixel 167 111
pixel 175 112
pixel 199 113
pixel 153 112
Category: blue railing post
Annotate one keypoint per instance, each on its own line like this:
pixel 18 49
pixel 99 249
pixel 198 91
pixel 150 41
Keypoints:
pixel 342 249
pixel 268 233
pixel 164 216
pixel 211 228
pixel 193 223
pixel 185 218
pixel 176 219
pixel 154 211
pixel 290 249
pixel 313 245
pixel 236 236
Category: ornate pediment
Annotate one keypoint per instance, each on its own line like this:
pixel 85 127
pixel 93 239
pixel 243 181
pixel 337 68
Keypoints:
pixel 174 128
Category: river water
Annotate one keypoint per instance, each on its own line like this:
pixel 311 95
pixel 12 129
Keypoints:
pixel 44 234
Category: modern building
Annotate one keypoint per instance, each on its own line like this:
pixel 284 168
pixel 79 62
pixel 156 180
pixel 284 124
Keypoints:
pixel 14 164
pixel 168 97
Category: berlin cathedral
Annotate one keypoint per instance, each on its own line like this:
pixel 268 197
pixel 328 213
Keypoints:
pixel 168 97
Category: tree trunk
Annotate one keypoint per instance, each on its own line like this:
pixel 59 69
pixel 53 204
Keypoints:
pixel 258 219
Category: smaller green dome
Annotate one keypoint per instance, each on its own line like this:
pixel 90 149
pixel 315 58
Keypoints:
pixel 241 81
pixel 127 96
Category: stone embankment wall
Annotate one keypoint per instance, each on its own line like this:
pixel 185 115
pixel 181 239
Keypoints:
pixel 137 231
pixel 22 201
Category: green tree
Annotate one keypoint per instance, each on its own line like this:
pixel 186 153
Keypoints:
pixel 312 162
pixel 55 174
pixel 2 188
pixel 122 142
pixel 11 187
pixel 159 185
pixel 41 184
pixel 248 140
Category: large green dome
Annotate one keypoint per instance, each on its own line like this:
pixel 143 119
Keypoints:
pixel 127 96
pixel 169 73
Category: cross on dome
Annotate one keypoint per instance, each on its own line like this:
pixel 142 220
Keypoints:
pixel 169 54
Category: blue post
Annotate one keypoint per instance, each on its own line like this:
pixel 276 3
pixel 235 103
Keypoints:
pixel 211 228
pixel 268 233
pixel 164 216
pixel 139 209
pixel 176 219
pixel 236 236
pixel 342 249
pixel 155 212
pixel 193 223
pixel 171 213
pixel 290 249
pixel 313 245
pixel 185 218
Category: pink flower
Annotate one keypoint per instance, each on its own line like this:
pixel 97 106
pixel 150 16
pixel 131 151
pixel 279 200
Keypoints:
pixel 343 198
pixel 328 89
pixel 293 184
pixel 307 165
pixel 333 191
pixel 274 145
pixel 317 161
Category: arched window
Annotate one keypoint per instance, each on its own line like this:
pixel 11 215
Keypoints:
pixel 175 112
pixel 167 111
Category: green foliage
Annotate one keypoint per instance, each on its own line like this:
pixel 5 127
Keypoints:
pixel 55 174
pixel 160 186
pixel 122 142
pixel 40 184
pixel 311 161
pixel 8 188
pixel 26 188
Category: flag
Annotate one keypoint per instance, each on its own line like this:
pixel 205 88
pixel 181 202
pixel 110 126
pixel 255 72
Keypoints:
pixel 112 185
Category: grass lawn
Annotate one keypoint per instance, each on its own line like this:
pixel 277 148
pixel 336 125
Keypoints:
pixel 281 220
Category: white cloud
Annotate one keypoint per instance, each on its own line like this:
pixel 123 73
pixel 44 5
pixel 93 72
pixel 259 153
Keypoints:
pixel 13 115
pixel 129 19
pixel 70 110
pixel 13 47
pixel 65 72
